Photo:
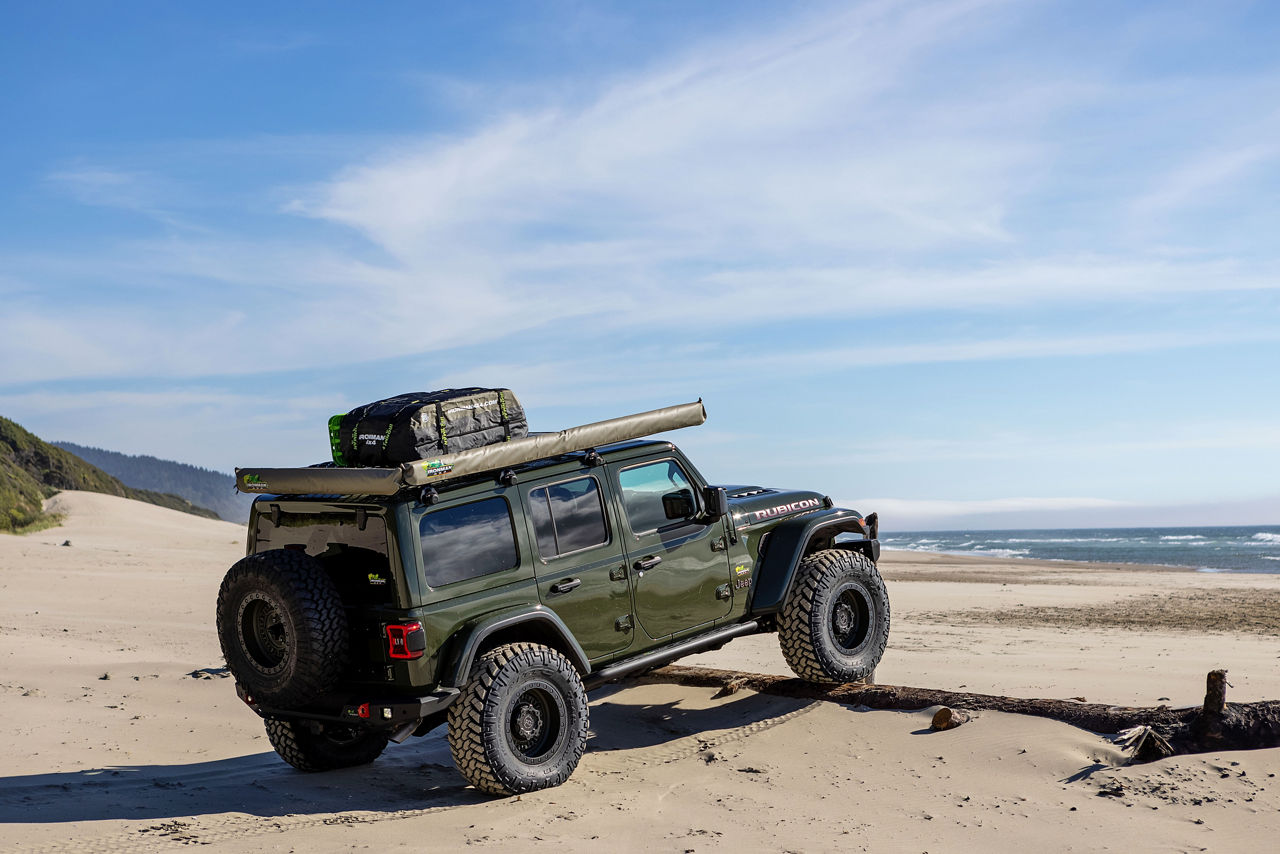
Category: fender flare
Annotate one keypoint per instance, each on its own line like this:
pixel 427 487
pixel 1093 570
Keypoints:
pixel 789 541
pixel 541 622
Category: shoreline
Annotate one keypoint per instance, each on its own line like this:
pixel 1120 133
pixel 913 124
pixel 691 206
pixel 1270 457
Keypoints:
pixel 923 556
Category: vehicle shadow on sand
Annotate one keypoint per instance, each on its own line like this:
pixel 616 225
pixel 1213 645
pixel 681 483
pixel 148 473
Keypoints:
pixel 415 776
pixel 259 785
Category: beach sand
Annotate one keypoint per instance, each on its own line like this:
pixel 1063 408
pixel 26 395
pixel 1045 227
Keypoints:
pixel 112 745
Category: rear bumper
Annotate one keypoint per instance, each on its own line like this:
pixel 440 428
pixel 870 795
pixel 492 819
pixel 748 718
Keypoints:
pixel 373 711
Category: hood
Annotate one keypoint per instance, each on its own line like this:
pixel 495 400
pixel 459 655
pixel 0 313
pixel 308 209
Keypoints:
pixel 757 505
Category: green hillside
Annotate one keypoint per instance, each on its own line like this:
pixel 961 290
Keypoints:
pixel 32 470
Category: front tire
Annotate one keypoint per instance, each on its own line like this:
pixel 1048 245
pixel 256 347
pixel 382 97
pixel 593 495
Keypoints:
pixel 521 722
pixel 835 621
pixel 324 747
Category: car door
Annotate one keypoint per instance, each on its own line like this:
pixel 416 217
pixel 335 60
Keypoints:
pixel 580 569
pixel 680 569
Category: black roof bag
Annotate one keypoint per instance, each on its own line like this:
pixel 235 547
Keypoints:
pixel 424 424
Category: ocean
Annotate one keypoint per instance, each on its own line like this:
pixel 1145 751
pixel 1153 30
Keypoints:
pixel 1234 549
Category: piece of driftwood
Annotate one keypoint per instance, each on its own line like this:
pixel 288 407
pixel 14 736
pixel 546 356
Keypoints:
pixel 948 718
pixel 1215 693
pixel 1217 725
pixel 1145 744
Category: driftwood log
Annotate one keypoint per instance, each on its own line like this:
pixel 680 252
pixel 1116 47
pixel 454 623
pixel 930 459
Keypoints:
pixel 1154 732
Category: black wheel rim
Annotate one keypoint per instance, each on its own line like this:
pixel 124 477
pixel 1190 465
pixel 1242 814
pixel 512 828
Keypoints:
pixel 534 723
pixel 264 632
pixel 850 618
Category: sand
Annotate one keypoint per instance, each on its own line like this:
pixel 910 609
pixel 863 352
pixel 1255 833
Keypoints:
pixel 112 744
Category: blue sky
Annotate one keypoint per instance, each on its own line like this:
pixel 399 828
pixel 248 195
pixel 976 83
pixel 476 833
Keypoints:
pixel 967 263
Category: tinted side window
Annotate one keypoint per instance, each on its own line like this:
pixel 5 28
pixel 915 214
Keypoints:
pixel 642 491
pixel 468 541
pixel 568 517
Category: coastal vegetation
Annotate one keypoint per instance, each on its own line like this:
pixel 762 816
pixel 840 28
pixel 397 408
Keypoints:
pixel 32 470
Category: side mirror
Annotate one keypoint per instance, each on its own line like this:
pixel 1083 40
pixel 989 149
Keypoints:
pixel 717 503
pixel 679 504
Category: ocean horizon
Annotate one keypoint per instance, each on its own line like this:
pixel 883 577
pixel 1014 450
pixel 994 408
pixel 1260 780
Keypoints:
pixel 1237 548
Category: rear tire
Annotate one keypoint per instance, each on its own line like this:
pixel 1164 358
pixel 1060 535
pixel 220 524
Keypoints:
pixel 334 746
pixel 835 621
pixel 521 722
pixel 282 627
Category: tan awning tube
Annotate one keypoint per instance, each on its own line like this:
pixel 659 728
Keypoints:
pixel 508 454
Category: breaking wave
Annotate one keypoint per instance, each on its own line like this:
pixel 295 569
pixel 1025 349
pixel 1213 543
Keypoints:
pixel 1229 549
pixel 1001 552
pixel 1034 540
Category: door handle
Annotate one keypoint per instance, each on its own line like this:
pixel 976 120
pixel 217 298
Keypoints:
pixel 566 585
pixel 646 563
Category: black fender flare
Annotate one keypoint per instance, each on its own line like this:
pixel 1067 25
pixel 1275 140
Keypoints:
pixel 788 543
pixel 523 622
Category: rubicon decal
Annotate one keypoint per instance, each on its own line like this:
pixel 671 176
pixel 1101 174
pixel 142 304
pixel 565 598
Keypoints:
pixel 783 509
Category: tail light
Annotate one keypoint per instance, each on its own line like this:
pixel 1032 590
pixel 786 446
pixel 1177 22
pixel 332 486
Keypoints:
pixel 406 640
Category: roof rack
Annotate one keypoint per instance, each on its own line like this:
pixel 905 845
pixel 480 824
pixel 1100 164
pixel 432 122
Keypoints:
pixel 428 472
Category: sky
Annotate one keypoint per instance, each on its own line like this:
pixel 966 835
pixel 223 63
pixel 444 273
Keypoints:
pixel 967 263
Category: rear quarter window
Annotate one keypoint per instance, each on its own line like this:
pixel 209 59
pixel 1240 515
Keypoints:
pixel 468 541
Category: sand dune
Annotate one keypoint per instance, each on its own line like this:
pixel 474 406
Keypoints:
pixel 151 758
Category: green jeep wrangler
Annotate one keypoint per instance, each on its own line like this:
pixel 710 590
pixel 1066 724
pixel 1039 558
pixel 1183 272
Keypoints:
pixel 495 601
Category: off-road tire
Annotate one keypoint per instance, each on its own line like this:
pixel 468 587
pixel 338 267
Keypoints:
pixel 334 746
pixel 282 627
pixel 520 723
pixel 835 620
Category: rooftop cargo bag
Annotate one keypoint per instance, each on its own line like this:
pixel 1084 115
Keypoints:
pixel 425 424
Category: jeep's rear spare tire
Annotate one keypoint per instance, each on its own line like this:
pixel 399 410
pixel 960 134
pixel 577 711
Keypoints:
pixel 282 627
pixel 835 622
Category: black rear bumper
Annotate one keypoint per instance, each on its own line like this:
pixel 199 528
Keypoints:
pixel 371 710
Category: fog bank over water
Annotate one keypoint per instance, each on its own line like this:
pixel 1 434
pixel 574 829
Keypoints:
pixel 1055 513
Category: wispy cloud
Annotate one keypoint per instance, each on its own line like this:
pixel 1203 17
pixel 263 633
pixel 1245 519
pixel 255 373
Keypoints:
pixel 101 186
pixel 778 143
pixel 808 171
pixel 1076 446
pixel 1204 179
